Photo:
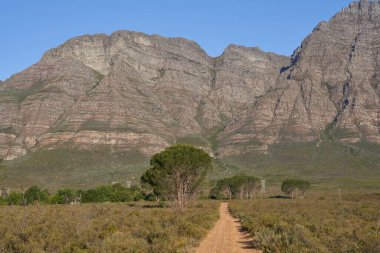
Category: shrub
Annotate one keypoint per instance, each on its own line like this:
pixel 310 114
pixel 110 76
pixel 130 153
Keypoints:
pixel 150 197
pixel 104 228
pixel 279 225
pixel 15 198
pixel 65 196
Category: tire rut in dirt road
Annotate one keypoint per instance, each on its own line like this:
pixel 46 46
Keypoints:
pixel 227 236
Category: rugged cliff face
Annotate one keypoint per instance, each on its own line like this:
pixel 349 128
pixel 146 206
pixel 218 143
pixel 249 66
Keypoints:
pixel 142 92
pixel 331 88
pixel 132 91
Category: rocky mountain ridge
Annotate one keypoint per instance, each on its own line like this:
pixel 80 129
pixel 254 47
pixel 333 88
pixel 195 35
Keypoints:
pixel 141 92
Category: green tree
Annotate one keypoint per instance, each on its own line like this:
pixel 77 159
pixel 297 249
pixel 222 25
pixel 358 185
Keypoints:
pixel 245 187
pixel 177 173
pixel 111 193
pixel 223 189
pixel 239 186
pixel 64 196
pixel 91 196
pixel 36 194
pixel 295 188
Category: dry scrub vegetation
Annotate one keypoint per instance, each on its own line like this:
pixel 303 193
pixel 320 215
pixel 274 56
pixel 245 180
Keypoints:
pixel 313 224
pixel 104 227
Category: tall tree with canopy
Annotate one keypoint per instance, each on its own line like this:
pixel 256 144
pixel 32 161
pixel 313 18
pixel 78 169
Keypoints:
pixel 295 187
pixel 177 172
pixel 239 186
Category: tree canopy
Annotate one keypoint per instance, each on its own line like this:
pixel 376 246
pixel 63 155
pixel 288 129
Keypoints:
pixel 177 172
pixel 36 194
pixel 239 186
pixel 295 187
pixel 64 196
pixel 104 193
pixel 111 193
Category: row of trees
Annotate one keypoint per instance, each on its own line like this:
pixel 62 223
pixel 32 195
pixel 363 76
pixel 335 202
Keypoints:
pixel 31 195
pixel 107 193
pixel 177 173
pixel 237 187
pixel 248 187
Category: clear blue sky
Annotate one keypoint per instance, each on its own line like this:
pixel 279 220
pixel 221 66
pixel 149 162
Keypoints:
pixel 29 28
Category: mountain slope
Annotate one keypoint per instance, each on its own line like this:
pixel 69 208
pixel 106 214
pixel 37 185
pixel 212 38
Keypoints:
pixel 130 90
pixel 136 93
pixel 331 85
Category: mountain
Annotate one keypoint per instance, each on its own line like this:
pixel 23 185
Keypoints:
pixel 135 93
pixel 130 90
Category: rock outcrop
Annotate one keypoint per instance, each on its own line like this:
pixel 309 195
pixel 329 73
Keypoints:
pixel 144 92
pixel 332 85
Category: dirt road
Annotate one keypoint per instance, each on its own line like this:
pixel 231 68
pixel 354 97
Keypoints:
pixel 226 236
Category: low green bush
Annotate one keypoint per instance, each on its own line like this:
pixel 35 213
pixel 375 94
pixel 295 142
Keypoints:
pixel 14 198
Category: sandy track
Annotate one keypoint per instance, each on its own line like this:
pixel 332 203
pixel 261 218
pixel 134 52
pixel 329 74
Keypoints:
pixel 226 236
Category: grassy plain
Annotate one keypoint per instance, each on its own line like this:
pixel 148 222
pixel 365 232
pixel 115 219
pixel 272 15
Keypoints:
pixel 320 223
pixel 134 227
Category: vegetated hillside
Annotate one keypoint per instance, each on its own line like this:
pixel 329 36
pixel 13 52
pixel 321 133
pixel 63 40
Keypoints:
pixel 73 166
pixel 317 112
